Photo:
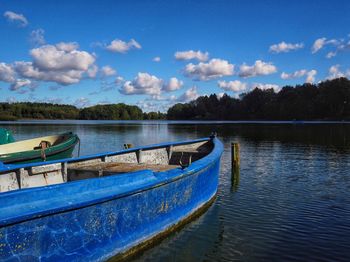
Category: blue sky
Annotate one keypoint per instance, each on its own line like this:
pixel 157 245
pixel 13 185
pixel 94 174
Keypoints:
pixel 157 53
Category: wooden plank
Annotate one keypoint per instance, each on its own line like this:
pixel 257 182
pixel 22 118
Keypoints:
pixel 123 167
pixel 123 158
pixel 154 156
pixel 45 168
pixel 8 182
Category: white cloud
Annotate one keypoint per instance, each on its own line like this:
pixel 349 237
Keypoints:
pixel 67 46
pixel 189 95
pixel 206 71
pixel 265 86
pixel 296 74
pixel 188 55
pixel 321 42
pixel 143 83
pixel 331 54
pixel 318 44
pixel 7 74
pixel 259 68
pixel 173 84
pixel 334 72
pixel 119 80
pixel 19 83
pixel 37 37
pixel 82 102
pixel 310 76
pixel 119 46
pixel 92 71
pixel 62 56
pixel 61 63
pixel 284 47
pixel 107 71
pixel 16 18
pixel 234 86
pixel 156 59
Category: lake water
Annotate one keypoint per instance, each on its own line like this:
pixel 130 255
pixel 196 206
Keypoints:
pixel 290 202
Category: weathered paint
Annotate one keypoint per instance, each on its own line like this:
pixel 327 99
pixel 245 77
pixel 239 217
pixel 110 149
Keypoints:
pixel 95 219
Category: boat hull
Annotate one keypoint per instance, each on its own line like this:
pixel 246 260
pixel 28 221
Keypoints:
pixel 59 151
pixel 116 221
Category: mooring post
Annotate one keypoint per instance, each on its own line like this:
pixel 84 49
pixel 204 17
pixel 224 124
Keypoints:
pixel 235 155
pixel 235 161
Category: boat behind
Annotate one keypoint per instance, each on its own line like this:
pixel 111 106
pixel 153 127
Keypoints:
pixel 39 149
pixel 97 207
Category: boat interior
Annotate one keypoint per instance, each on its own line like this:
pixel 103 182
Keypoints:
pixel 32 144
pixel 157 159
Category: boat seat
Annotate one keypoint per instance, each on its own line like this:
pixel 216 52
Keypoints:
pixel 106 169
pixel 43 145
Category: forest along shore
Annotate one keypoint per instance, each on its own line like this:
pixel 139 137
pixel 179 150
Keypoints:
pixel 328 100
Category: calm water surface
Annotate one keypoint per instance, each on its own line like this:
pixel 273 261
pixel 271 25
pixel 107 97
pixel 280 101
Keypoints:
pixel 290 202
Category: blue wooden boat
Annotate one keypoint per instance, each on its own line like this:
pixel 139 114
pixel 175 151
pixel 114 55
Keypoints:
pixel 107 205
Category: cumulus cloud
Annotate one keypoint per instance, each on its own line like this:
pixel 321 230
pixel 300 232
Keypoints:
pixel 284 47
pixel 62 56
pixel 19 19
pixel 19 83
pixel 259 68
pixel 61 63
pixel 310 76
pixel 188 55
pixel 143 83
pixel 189 95
pixel 37 37
pixel 321 42
pixel 334 72
pixel 296 74
pixel 108 71
pixel 173 84
pixel 119 46
pixel 147 84
pixel 234 86
pixel 156 59
pixel 7 74
pixel 206 71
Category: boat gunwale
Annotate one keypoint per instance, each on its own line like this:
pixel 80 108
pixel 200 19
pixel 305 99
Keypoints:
pixel 9 167
pixel 158 179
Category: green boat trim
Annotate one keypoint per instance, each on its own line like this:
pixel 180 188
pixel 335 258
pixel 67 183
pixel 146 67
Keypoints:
pixel 6 136
pixel 39 149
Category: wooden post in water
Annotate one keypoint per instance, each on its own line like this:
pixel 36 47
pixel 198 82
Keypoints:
pixel 235 161
pixel 235 155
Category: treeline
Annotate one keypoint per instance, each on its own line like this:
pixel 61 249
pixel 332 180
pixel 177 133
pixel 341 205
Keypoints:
pixel 13 111
pixel 27 110
pixel 329 100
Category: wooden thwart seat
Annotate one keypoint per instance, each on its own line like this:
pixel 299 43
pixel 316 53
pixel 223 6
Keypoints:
pixel 105 169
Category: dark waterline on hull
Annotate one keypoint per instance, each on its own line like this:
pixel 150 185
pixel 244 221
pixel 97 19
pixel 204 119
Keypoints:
pixel 291 201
